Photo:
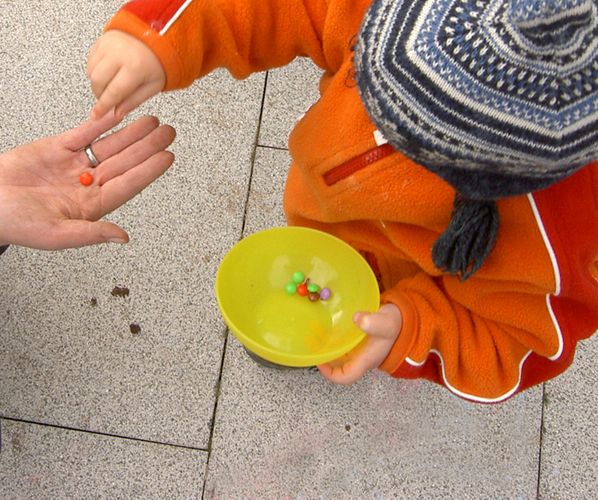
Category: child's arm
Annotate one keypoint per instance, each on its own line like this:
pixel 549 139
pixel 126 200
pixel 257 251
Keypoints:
pixel 513 324
pixel 189 39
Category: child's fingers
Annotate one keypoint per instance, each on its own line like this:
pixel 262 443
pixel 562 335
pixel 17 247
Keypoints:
pixel 102 74
pixel 326 371
pixel 347 373
pixel 92 59
pixel 354 365
pixel 115 92
pixel 103 48
pixel 138 97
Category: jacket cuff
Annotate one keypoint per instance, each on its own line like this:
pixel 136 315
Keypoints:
pixel 158 44
pixel 407 336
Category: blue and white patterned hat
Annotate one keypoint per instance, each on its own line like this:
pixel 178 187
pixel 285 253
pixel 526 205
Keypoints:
pixel 503 89
pixel 497 97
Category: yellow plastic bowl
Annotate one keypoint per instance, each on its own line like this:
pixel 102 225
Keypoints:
pixel 291 330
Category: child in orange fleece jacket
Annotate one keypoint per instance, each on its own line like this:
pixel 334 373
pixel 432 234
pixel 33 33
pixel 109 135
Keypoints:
pixel 383 162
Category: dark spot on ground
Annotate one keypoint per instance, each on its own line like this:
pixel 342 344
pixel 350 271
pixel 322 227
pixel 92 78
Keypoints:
pixel 93 302
pixel 120 291
pixel 16 444
pixel 347 427
pixel 135 328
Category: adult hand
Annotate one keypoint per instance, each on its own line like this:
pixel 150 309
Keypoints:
pixel 124 73
pixel 42 203
pixel 382 328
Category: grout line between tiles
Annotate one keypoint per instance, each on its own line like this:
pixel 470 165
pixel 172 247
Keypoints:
pixel 254 154
pixel 276 148
pixel 539 473
pixel 224 349
pixel 97 433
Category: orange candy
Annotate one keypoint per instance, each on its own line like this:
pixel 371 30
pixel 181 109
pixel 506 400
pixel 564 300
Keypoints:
pixel 86 179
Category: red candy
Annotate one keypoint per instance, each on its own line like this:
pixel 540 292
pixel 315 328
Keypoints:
pixel 302 290
pixel 86 179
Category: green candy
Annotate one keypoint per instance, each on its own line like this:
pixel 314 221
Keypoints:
pixel 313 288
pixel 298 277
pixel 290 288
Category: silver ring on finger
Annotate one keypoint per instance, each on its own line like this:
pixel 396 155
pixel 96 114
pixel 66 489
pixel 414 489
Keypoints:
pixel 91 156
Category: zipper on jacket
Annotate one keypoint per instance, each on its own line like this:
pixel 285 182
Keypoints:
pixel 348 168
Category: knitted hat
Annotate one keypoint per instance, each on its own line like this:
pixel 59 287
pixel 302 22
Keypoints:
pixel 497 97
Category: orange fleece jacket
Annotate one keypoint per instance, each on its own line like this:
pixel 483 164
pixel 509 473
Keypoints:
pixel 516 322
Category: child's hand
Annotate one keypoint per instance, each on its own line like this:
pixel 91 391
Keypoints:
pixel 382 328
pixel 123 72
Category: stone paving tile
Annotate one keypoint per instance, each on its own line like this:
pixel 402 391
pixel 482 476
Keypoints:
pixel 290 434
pixel 569 466
pixel 47 462
pixel 291 91
pixel 264 207
pixel 68 355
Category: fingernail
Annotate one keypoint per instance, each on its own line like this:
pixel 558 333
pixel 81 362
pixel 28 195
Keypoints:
pixel 120 241
pixel 364 323
pixel 362 320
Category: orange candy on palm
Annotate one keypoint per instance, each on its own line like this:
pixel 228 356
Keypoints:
pixel 86 179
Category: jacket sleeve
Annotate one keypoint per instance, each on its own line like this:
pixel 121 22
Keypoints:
pixel 513 324
pixel 193 37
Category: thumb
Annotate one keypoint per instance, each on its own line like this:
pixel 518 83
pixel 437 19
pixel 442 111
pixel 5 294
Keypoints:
pixel 80 233
pixel 376 324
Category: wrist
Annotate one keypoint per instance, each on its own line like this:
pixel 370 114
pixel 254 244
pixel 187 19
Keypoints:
pixel 405 336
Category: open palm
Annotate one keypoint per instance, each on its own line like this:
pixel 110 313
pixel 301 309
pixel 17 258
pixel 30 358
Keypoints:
pixel 43 204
